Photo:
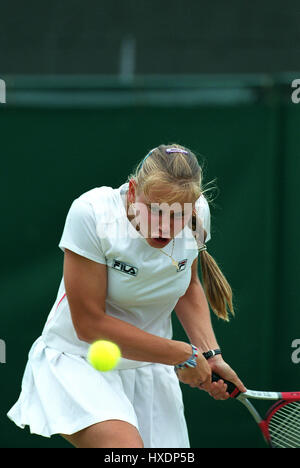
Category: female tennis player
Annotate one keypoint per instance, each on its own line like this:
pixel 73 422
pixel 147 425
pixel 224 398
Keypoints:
pixel 130 259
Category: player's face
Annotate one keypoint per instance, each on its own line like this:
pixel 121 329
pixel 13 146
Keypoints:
pixel 158 220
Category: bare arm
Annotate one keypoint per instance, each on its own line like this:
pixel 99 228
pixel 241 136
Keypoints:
pixel 193 312
pixel 86 287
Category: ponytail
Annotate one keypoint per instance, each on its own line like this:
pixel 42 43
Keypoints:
pixel 217 289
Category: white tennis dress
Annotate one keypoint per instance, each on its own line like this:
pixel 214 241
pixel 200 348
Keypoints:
pixel 61 392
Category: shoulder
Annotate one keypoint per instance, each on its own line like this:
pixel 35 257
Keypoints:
pixel 97 195
pixel 202 205
pixel 96 202
pixel 81 227
pixel 83 209
pixel 203 211
pixel 99 209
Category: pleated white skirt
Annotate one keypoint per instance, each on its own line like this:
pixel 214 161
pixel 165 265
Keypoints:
pixel 63 393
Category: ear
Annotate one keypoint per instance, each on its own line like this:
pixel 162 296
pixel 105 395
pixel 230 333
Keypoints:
pixel 131 190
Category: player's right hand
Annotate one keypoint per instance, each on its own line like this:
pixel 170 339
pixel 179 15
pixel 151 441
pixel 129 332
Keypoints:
pixel 196 376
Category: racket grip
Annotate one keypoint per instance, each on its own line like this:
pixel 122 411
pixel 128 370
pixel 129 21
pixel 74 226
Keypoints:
pixel 231 388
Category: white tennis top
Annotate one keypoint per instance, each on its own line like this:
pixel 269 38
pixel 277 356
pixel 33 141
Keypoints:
pixel 143 286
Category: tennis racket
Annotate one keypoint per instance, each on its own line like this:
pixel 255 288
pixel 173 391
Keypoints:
pixel 281 425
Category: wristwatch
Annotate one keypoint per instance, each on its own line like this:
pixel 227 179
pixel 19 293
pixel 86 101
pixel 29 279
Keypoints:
pixel 211 353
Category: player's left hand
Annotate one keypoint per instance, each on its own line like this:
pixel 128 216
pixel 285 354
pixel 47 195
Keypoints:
pixel 218 390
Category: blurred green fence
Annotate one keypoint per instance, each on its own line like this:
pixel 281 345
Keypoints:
pixel 61 136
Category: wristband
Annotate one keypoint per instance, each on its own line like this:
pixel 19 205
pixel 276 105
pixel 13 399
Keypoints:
pixel 191 362
pixel 211 353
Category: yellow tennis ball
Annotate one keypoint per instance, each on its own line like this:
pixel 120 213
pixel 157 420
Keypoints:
pixel 104 355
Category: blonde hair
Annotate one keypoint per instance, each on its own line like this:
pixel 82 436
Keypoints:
pixel 181 176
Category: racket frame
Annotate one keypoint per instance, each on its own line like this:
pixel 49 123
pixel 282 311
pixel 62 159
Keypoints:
pixel 282 398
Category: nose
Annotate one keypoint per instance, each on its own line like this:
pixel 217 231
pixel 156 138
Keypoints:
pixel 165 228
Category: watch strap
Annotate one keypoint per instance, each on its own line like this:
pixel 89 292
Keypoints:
pixel 212 352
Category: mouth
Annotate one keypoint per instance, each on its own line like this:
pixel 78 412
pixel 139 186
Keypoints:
pixel 161 240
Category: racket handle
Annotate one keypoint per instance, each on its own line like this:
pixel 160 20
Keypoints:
pixel 231 388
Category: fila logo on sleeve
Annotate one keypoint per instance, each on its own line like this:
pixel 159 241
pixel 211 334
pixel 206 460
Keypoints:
pixel 124 267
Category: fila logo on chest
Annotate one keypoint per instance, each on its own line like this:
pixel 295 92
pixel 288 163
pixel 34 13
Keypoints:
pixel 182 265
pixel 124 267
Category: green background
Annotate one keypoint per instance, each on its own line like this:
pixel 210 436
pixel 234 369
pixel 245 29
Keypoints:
pixel 63 136
pixel 173 36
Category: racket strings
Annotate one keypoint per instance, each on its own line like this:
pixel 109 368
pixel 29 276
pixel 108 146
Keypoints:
pixel 284 426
